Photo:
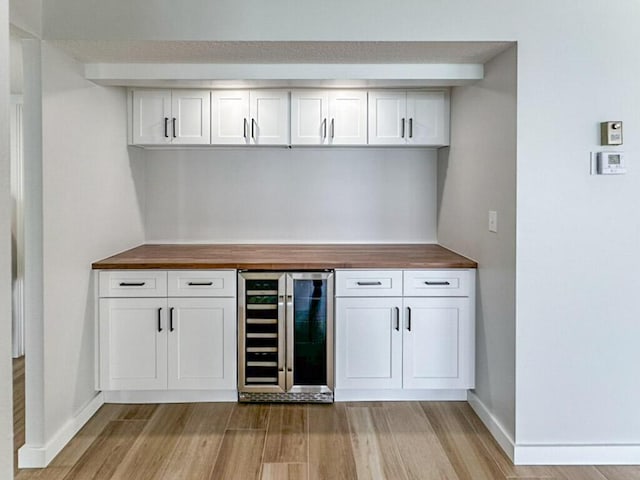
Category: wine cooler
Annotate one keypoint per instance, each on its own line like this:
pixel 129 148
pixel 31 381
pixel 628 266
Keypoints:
pixel 285 337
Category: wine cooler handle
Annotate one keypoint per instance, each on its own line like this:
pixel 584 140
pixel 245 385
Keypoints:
pixel 290 341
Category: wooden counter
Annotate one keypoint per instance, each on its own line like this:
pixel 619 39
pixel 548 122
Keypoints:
pixel 286 257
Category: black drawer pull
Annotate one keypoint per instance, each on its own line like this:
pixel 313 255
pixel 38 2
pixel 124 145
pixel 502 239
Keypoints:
pixel 132 284
pixel 369 284
pixel 159 319
pixel 200 284
pixel 437 283
pixel 171 329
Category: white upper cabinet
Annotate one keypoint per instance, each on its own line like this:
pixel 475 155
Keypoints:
pixel 230 117
pixel 269 111
pixel 250 117
pixel 180 117
pixel 409 118
pixel 191 117
pixel 328 117
pixel 151 115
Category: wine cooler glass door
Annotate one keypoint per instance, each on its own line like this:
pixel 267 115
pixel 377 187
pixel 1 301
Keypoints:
pixel 310 332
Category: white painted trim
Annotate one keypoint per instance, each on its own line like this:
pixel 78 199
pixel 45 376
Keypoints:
pixel 40 456
pixel 504 439
pixel 577 454
pixel 348 395
pixel 132 74
pixel 170 396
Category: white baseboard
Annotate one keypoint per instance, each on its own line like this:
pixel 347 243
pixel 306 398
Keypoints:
pixel 170 396
pixel 357 395
pixel 496 429
pixel 545 454
pixel 577 454
pixel 30 456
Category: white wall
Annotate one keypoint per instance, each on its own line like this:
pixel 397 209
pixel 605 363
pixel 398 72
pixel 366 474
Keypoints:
pixel 16 66
pixel 576 308
pixel 90 211
pixel 307 195
pixel 6 410
pixel 477 174
pixel 27 16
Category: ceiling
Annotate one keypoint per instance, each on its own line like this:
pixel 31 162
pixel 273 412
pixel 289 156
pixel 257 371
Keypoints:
pixel 178 52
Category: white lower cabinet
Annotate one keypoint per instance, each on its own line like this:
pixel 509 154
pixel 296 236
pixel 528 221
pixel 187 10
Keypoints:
pixel 368 343
pixel 437 343
pixel 202 343
pixel 133 343
pixel 169 343
pixel 405 346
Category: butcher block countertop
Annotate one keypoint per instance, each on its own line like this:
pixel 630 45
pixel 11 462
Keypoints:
pixel 286 257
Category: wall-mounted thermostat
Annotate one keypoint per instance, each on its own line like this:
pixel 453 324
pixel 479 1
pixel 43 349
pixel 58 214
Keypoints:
pixel 611 133
pixel 611 163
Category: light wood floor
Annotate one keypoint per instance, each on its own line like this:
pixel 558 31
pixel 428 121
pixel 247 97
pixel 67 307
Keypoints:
pixel 395 441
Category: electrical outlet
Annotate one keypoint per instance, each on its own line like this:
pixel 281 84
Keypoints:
pixel 493 221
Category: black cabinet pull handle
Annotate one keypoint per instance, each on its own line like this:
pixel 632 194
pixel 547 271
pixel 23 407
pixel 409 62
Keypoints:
pixel 437 283
pixel 244 129
pixel 324 128
pixel 200 284
pixel 409 319
pixel 397 319
pixel 171 329
pixel 166 127
pixel 369 284
pixel 159 319
pixel 402 128
pixel 411 128
pixel 173 121
pixel 132 284
pixel 333 127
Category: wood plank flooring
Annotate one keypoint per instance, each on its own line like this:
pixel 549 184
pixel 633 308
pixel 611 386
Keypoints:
pixel 213 441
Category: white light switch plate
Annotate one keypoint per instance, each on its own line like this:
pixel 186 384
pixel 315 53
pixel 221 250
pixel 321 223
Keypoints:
pixel 493 221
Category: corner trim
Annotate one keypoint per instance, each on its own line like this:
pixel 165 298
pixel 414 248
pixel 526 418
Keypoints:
pixel 40 456
pixel 493 425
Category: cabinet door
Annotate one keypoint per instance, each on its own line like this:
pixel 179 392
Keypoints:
pixel 191 117
pixel 368 343
pixel 269 123
pixel 230 117
pixel 348 117
pixel 438 343
pixel 202 343
pixel 151 117
pixel 428 117
pixel 387 118
pixel 133 343
pixel 309 112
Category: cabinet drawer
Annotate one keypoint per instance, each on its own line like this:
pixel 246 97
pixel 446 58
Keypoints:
pixel 202 283
pixel 368 283
pixel 133 283
pixel 437 283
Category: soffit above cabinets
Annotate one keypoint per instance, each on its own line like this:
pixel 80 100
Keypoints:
pixel 252 64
